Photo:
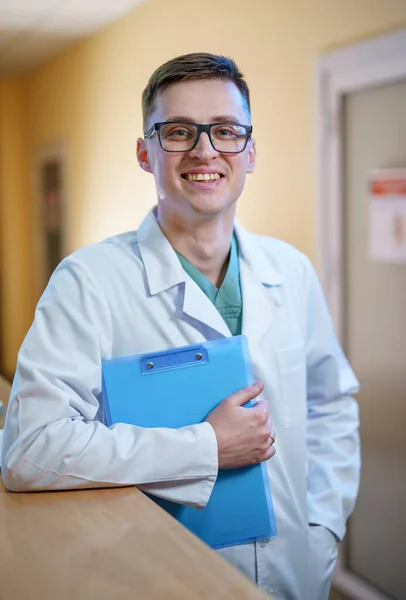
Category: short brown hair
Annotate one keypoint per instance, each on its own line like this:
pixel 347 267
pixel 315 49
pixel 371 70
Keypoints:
pixel 199 65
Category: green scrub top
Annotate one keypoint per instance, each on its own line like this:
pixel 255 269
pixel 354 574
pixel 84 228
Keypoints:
pixel 227 299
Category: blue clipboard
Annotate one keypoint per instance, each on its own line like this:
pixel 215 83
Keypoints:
pixel 180 387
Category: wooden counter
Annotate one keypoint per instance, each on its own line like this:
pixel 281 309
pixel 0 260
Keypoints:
pixel 111 544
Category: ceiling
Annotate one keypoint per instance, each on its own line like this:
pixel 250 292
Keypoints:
pixel 33 31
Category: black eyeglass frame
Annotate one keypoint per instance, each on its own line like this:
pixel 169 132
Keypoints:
pixel 201 128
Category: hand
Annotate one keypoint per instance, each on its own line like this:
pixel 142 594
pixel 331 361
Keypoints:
pixel 243 434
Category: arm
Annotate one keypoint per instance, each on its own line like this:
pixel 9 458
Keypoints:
pixel 332 428
pixel 52 437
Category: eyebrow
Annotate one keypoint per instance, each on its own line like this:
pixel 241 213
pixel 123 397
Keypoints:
pixel 214 119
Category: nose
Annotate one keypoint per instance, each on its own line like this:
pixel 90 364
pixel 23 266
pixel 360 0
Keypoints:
pixel 204 149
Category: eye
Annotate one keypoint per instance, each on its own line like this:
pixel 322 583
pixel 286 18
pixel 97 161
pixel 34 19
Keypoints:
pixel 180 132
pixel 224 132
pixel 176 132
pixel 228 132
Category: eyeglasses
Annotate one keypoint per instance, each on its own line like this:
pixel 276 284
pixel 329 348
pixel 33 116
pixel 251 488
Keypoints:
pixel 174 136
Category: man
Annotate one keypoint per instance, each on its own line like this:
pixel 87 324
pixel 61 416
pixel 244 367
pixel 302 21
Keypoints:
pixel 191 273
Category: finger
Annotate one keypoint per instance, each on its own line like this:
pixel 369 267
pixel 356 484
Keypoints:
pixel 248 393
pixel 267 439
pixel 271 428
pixel 260 414
pixel 270 452
pixel 266 454
pixel 263 407
pixel 272 435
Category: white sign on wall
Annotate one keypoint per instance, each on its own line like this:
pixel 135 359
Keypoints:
pixel 387 216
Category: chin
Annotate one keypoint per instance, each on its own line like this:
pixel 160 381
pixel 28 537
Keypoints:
pixel 210 205
pixel 210 208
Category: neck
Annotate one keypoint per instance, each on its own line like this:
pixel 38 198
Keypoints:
pixel 205 242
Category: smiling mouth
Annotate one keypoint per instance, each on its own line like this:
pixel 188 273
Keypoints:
pixel 203 177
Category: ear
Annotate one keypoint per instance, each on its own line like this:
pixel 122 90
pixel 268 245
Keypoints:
pixel 252 157
pixel 142 155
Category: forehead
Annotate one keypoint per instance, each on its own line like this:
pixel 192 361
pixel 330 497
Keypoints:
pixel 201 101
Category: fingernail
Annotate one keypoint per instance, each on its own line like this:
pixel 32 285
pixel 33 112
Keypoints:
pixel 258 385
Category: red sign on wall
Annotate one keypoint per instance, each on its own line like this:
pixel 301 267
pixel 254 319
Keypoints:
pixel 387 216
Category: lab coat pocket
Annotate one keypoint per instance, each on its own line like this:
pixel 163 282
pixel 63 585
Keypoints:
pixel 321 560
pixel 292 376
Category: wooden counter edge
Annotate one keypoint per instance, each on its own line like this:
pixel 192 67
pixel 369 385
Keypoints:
pixel 41 531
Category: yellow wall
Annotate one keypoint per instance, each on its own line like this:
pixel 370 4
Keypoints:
pixel 90 96
pixel 16 278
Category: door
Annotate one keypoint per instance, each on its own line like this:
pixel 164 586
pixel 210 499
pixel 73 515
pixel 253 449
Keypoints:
pixel 374 301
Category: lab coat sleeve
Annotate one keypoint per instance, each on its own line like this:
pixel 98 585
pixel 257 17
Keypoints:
pixel 332 425
pixel 53 438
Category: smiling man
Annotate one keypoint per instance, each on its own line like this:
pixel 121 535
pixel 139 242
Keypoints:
pixel 191 273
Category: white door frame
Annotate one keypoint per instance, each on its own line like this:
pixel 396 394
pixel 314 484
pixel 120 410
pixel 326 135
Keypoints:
pixel 365 65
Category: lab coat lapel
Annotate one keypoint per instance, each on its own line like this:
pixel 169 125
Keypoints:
pixel 164 271
pixel 260 285
pixel 198 307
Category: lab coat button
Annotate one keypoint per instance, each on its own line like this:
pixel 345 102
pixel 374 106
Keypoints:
pixel 263 543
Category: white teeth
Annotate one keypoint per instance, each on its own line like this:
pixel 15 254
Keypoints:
pixel 202 176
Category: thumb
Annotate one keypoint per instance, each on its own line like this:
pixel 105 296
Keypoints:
pixel 248 393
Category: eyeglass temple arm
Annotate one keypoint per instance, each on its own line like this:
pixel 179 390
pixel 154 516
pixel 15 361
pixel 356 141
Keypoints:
pixel 150 132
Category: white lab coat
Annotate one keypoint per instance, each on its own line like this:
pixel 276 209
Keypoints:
pixel 130 295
